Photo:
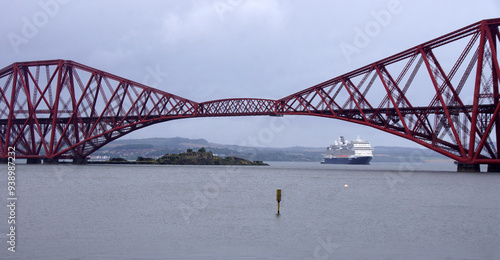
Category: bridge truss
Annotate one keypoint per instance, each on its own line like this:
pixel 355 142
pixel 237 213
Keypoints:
pixel 442 94
pixel 418 94
pixel 62 109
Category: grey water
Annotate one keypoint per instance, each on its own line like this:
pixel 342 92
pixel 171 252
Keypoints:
pixel 386 211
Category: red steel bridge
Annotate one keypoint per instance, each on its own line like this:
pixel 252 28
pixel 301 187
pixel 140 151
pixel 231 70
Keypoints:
pixel 442 94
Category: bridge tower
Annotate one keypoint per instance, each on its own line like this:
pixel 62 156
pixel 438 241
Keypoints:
pixel 494 35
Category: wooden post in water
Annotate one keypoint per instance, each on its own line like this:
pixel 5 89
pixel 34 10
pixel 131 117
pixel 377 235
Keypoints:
pixel 278 199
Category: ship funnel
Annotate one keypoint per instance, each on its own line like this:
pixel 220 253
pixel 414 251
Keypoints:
pixel 342 141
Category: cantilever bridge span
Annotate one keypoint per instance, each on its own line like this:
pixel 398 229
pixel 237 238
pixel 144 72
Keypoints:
pixel 442 94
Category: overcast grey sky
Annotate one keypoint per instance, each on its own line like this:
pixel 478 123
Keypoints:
pixel 213 49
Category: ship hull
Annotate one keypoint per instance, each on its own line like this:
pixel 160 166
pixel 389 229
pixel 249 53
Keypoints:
pixel 346 160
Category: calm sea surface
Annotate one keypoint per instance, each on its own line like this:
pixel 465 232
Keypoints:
pixel 387 211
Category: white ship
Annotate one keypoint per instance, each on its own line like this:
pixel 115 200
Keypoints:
pixel 345 152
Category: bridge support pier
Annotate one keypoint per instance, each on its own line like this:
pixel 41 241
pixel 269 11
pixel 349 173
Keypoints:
pixel 468 167
pixel 493 167
pixel 33 161
pixel 50 161
pixel 78 160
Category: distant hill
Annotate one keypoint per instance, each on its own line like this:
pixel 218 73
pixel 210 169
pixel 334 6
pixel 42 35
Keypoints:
pixel 157 147
pixel 176 142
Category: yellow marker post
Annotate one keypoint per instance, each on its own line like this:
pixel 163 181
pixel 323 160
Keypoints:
pixel 278 199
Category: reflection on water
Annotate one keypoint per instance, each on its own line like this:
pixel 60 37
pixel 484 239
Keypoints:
pixel 387 211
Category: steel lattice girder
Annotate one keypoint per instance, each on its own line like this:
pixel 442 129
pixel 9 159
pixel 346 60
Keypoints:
pixel 237 107
pixel 446 123
pixel 59 108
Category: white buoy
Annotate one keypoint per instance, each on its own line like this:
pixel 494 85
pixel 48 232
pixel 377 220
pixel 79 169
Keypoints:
pixel 345 186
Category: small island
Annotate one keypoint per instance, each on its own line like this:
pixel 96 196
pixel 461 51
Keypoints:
pixel 190 157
